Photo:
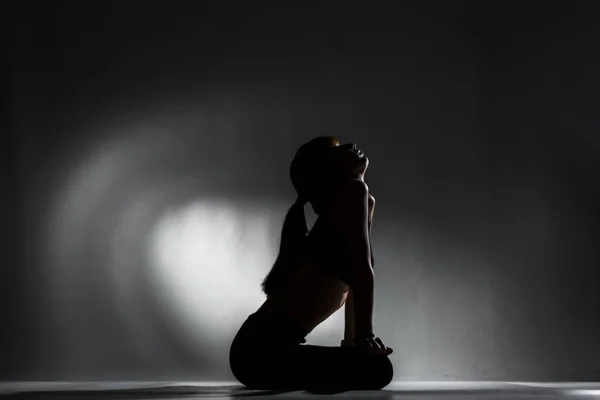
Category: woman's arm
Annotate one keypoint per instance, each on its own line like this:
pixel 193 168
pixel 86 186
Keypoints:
pixel 349 305
pixel 351 215
pixel 371 210
pixel 371 201
pixel 349 320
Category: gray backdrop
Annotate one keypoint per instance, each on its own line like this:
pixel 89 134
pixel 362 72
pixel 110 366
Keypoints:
pixel 146 173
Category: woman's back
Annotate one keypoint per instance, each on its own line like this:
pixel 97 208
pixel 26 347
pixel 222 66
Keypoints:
pixel 319 280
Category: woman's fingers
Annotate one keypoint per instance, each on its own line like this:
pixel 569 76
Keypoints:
pixel 375 346
pixel 368 346
pixel 384 349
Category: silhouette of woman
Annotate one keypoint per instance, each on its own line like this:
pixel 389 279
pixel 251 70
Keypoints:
pixel 315 274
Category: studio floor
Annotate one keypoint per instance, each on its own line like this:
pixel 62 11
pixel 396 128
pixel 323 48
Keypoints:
pixel 232 390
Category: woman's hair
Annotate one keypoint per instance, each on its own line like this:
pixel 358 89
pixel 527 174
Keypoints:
pixel 311 172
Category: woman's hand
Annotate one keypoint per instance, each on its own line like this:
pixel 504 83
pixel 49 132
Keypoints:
pixel 373 346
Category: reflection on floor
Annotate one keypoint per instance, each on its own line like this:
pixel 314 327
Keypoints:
pixel 232 390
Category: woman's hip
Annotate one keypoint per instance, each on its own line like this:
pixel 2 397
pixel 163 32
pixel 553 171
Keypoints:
pixel 261 328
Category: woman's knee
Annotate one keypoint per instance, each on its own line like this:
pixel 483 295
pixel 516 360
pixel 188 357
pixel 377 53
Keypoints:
pixel 386 370
pixel 381 373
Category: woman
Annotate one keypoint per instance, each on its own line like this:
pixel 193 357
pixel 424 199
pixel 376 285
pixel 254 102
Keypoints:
pixel 313 276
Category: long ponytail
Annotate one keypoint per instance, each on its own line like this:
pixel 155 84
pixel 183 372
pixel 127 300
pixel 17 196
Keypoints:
pixel 293 236
pixel 310 172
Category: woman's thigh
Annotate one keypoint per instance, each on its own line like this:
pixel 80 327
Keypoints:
pixel 310 367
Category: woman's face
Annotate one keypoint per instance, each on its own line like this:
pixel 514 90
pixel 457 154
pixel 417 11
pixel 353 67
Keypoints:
pixel 352 162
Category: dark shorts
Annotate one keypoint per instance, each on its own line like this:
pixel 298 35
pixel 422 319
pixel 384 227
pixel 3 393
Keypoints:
pixel 267 353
